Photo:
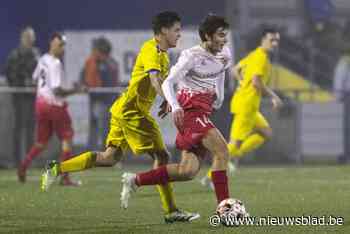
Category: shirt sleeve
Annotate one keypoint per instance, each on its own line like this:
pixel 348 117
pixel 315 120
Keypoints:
pixel 242 62
pixel 258 65
pixel 150 56
pixel 177 73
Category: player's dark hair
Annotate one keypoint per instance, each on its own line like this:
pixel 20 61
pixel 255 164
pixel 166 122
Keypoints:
pixel 267 30
pixel 210 24
pixel 165 19
pixel 58 35
pixel 102 44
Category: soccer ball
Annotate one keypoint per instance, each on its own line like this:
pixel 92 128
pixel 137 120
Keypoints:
pixel 230 211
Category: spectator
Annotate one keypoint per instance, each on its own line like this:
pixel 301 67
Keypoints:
pixel 19 67
pixel 341 87
pixel 100 70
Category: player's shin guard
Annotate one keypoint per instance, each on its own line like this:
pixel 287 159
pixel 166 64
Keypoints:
pixel 167 197
pixel 78 163
pixel 156 176
pixel 220 182
pixel 251 143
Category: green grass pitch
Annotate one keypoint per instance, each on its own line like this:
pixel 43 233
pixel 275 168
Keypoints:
pixel 94 207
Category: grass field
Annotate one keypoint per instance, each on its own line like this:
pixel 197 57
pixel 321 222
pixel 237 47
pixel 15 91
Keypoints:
pixel 94 207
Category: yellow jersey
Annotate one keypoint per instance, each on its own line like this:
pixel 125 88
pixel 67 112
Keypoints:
pixel 246 99
pixel 138 99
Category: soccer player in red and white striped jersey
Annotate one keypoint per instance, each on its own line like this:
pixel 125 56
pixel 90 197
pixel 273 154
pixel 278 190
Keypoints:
pixel 50 106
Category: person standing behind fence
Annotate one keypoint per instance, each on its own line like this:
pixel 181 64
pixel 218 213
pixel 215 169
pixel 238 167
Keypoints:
pixel 50 106
pixel 100 70
pixel 19 68
pixel 341 87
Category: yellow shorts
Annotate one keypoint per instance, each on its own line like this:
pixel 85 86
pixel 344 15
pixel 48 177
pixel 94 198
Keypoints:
pixel 244 124
pixel 140 134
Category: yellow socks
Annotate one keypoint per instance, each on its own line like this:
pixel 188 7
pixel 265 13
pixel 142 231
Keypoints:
pixel 167 197
pixel 78 163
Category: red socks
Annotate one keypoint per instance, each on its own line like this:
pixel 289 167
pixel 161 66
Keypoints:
pixel 219 179
pixel 160 176
pixel 33 153
pixel 153 177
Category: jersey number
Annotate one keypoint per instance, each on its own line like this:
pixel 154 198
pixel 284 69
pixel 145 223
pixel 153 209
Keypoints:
pixel 204 121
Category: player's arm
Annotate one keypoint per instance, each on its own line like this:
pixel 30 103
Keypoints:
pixel 156 81
pixel 236 71
pixel 151 62
pixel 56 83
pixel 63 92
pixel 220 94
pixel 177 73
pixel 265 90
pixel 150 57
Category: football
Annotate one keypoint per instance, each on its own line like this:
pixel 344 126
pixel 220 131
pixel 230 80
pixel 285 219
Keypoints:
pixel 231 210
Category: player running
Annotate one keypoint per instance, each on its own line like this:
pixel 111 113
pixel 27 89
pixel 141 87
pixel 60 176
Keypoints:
pixel 199 75
pixel 50 107
pixel 132 126
pixel 249 128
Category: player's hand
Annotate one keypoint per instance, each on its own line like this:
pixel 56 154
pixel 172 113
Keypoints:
pixel 165 108
pixel 178 116
pixel 79 88
pixel 276 103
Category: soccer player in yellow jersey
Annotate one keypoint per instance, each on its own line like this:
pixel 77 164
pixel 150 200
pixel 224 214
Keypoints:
pixel 132 126
pixel 250 129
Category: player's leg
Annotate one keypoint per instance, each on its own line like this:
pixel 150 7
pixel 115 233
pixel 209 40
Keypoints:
pixel 65 155
pixel 165 191
pixel 81 162
pixel 34 151
pixel 260 134
pixel 115 144
pixel 183 171
pixel 172 213
pixel 43 133
pixel 143 136
pixel 240 128
pixel 91 159
pixel 62 125
pixel 215 143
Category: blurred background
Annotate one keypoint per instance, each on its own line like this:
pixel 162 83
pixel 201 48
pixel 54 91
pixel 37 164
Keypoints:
pixel 311 70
